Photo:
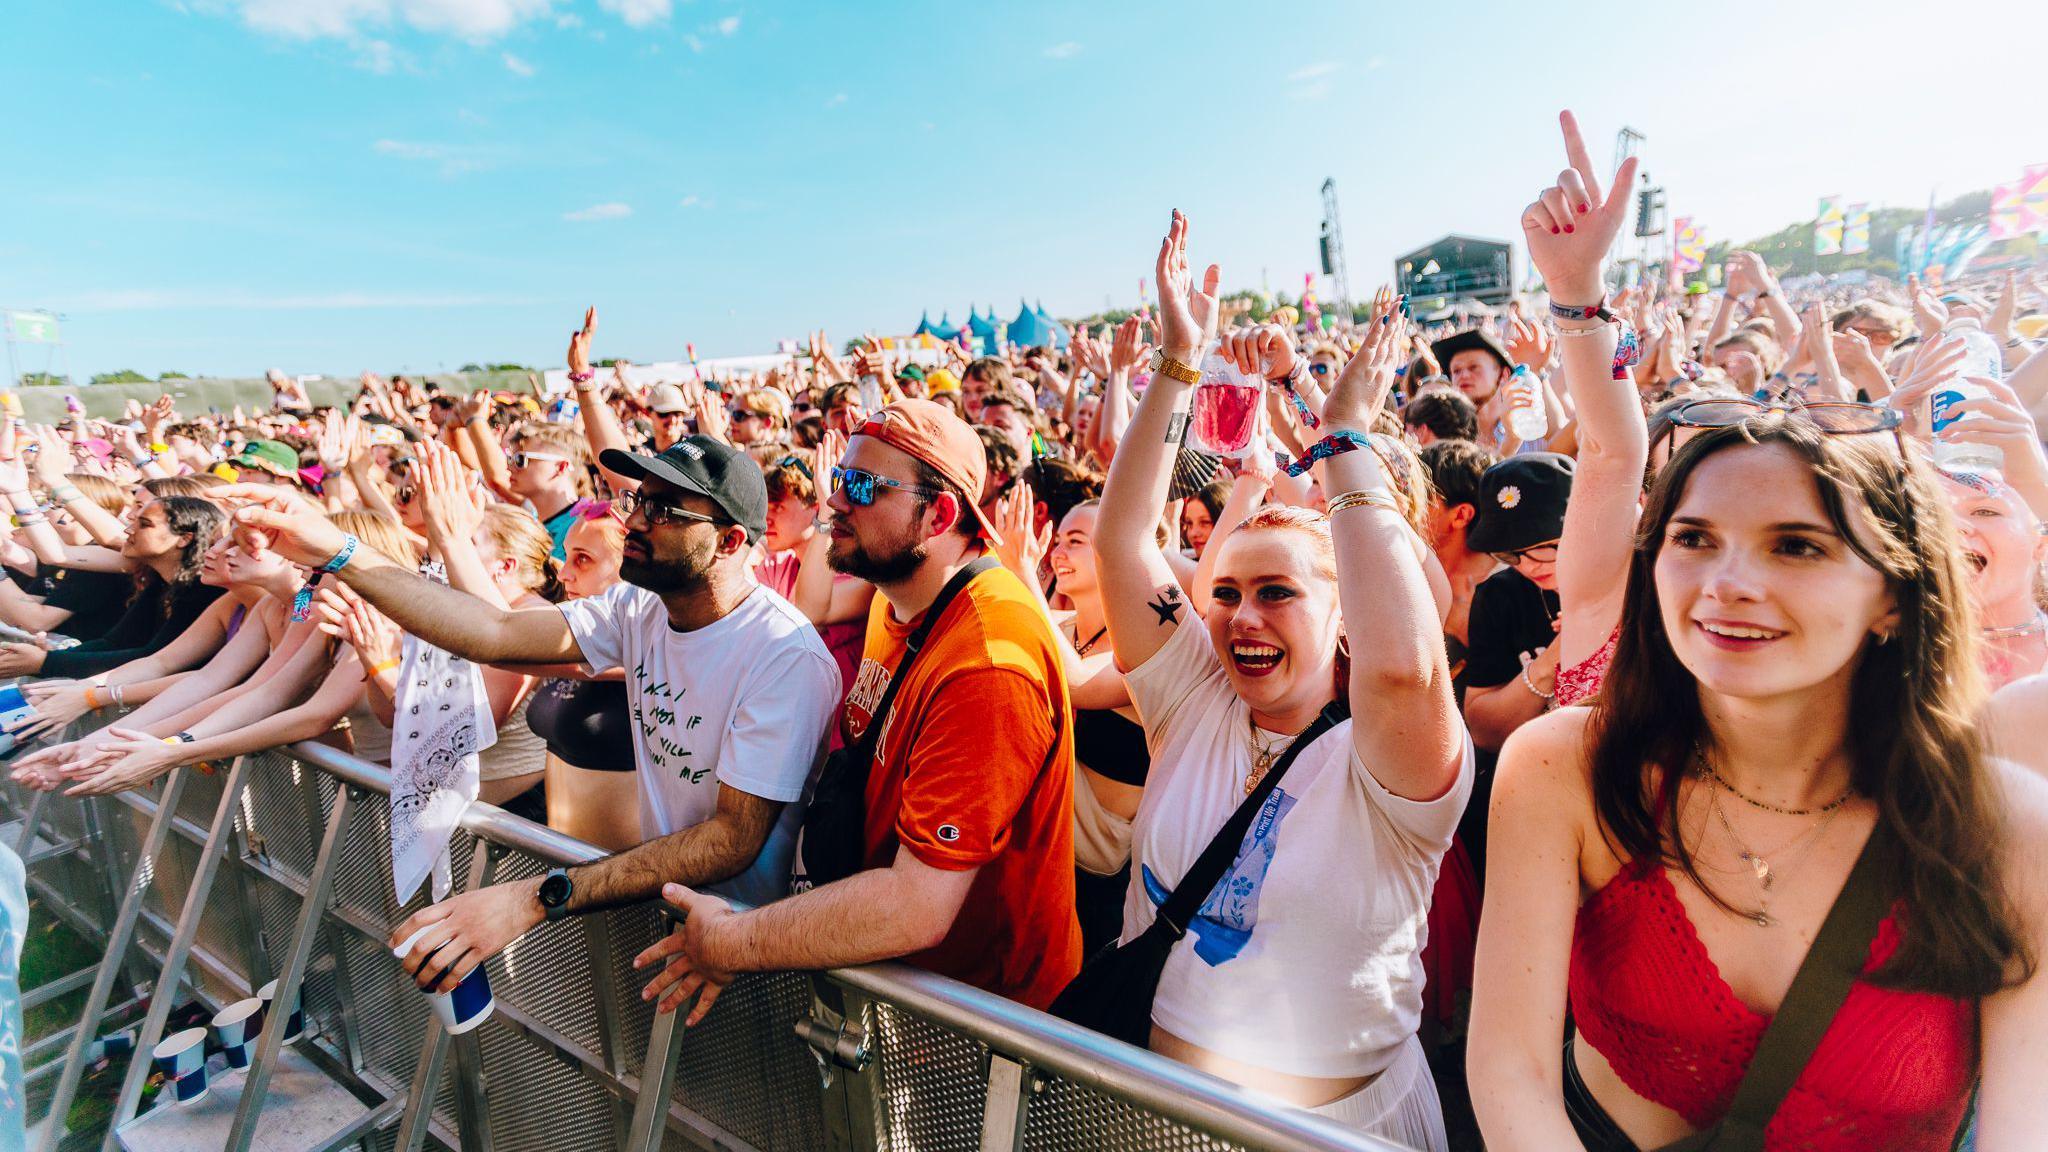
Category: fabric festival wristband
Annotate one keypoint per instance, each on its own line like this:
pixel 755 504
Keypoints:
pixel 66 493
pixel 1597 311
pixel 1290 384
pixel 385 666
pixel 582 377
pixel 1335 444
pixel 302 600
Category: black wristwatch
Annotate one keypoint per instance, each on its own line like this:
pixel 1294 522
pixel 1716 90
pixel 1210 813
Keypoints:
pixel 555 890
pixel 186 738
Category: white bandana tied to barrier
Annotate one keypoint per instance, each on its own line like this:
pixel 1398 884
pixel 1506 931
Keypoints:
pixel 443 720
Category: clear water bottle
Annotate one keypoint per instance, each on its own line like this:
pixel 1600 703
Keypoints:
pixel 1980 359
pixel 1526 417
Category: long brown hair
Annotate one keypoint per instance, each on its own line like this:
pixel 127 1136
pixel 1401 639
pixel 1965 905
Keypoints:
pixel 1913 746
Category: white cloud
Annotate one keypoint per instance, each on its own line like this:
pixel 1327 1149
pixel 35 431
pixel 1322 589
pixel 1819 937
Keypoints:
pixel 1314 71
pixel 695 44
pixel 310 19
pixel 638 13
pixel 1374 63
pixel 451 160
pixel 568 20
pixel 729 25
pixel 609 211
pixel 516 66
pixel 690 201
pixel 1065 50
pixel 376 56
pixel 837 99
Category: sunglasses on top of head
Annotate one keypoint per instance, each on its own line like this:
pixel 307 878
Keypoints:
pixel 860 487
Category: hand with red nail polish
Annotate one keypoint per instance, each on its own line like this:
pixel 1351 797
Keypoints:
pixel 1566 256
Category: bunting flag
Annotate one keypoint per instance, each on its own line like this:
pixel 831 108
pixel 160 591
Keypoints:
pixel 1827 227
pixel 1856 230
pixel 2033 190
pixel 1688 245
pixel 2008 218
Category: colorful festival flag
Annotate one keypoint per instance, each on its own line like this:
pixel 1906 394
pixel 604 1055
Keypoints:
pixel 2008 219
pixel 2034 199
pixel 1856 230
pixel 1688 245
pixel 1827 227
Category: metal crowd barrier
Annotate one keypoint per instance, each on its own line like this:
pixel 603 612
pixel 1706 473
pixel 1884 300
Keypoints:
pixel 210 883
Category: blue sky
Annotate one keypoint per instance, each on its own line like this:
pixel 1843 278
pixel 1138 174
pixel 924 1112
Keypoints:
pixel 219 186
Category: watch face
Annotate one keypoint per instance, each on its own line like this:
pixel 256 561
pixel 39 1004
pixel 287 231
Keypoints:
pixel 554 890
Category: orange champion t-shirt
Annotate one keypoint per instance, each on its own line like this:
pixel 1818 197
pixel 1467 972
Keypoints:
pixel 975 768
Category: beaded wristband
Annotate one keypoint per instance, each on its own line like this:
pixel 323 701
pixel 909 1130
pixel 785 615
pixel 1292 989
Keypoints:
pixel 1335 444
pixel 582 377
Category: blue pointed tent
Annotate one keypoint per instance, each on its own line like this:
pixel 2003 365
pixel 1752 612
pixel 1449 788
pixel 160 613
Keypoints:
pixel 982 330
pixel 924 324
pixel 944 329
pixel 1029 330
pixel 1059 330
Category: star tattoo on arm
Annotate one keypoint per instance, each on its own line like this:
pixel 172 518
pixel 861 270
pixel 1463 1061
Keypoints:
pixel 1167 604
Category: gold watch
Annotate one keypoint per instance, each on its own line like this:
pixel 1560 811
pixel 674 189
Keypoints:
pixel 1162 364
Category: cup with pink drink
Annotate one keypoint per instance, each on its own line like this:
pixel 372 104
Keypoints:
pixel 1226 406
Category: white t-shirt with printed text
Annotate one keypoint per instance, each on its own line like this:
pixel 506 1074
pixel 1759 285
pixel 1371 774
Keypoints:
pixel 1306 959
pixel 743 701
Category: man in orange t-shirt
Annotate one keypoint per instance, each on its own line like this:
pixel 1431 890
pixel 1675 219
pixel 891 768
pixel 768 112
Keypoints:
pixel 969 857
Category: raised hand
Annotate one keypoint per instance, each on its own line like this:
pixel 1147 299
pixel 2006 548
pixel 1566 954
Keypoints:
pixel 2000 421
pixel 1569 226
pixel 290 525
pixel 1363 385
pixel 1930 315
pixel 712 418
pixel 1933 364
pixel 2000 323
pixel 1529 344
pixel 1024 546
pixel 334 442
pixel 1186 314
pixel 448 496
pixel 349 618
pixel 1128 349
pixel 579 344
pixel 824 458
pixel 157 415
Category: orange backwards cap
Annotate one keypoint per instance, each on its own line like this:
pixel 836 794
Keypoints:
pixel 943 442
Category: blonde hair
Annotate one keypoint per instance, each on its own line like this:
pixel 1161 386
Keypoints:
pixel 562 439
pixel 109 495
pixel 518 537
pixel 381 532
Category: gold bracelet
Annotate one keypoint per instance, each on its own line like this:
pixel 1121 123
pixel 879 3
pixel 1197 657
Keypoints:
pixel 1575 333
pixel 1364 498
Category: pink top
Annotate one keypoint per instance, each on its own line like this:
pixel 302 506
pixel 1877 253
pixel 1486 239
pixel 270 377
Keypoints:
pixel 1581 682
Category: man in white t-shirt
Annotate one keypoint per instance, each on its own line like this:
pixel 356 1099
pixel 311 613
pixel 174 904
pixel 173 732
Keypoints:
pixel 731 691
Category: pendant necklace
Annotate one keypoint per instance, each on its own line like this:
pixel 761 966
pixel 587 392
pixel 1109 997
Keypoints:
pixel 1762 872
pixel 1264 752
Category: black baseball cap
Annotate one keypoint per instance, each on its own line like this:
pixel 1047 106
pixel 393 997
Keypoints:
pixel 1521 503
pixel 711 468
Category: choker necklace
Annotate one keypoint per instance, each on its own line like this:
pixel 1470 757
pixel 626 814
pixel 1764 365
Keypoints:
pixel 2034 627
pixel 1092 640
pixel 1699 757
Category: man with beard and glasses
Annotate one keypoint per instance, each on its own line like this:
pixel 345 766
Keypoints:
pixel 967 849
pixel 730 686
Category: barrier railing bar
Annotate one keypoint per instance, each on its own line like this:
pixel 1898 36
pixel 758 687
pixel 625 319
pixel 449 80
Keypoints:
pixel 118 940
pixel 1156 1083
pixel 240 851
pixel 182 939
pixel 44 993
pixel 472 1113
pixel 24 842
pixel 426 1084
pixel 320 888
pixel 1007 1105
pixel 657 1084
pixel 597 949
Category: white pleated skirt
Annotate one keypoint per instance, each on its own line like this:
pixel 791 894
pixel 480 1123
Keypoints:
pixel 1399 1105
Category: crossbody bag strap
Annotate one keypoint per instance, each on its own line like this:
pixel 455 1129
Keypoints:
pixel 864 748
pixel 1832 964
pixel 1180 907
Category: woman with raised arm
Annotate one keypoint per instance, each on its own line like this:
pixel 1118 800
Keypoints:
pixel 1301 974
pixel 1788 737
pixel 1600 519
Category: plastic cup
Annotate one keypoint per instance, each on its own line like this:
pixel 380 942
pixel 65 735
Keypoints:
pixel 181 1058
pixel 236 1028
pixel 466 1007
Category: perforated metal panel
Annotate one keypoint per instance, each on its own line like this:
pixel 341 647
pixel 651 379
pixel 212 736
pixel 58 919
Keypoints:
pixel 933 1085
pixel 1068 1117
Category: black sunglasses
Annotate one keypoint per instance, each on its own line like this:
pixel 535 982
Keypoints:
pixel 658 512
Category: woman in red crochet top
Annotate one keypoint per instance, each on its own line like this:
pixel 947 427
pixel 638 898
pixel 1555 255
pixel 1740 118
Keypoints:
pixel 1796 665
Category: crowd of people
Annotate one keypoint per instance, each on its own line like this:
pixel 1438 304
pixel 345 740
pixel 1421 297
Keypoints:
pixel 1529 701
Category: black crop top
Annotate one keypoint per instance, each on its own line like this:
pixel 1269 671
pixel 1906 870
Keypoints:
pixel 1111 744
pixel 587 723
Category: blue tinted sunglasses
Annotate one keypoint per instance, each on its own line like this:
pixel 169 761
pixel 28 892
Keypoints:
pixel 860 486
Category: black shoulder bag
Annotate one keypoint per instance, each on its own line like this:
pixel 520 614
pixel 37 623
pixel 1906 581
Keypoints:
pixel 1113 992
pixel 835 824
